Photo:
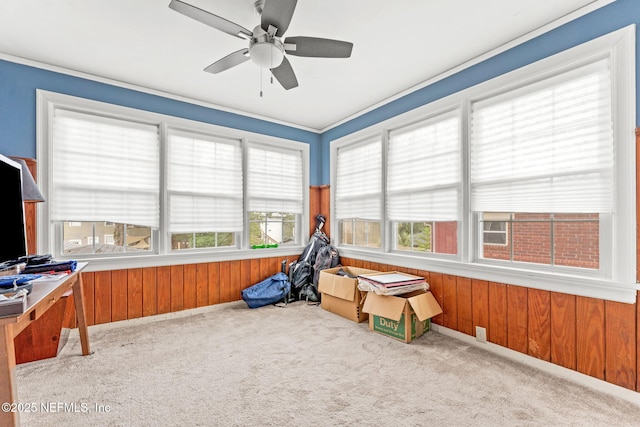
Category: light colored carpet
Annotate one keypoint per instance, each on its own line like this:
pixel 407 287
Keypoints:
pixel 299 365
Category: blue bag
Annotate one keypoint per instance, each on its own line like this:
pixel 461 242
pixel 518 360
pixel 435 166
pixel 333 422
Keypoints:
pixel 270 291
pixel 17 279
pixel 52 266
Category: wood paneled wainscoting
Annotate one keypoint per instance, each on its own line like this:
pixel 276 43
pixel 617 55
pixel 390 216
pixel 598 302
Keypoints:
pixel 132 293
pixel 116 295
pixel 138 292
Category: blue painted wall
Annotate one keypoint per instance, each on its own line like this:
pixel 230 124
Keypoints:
pixel 614 16
pixel 18 84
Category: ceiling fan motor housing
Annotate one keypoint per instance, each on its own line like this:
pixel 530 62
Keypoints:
pixel 265 50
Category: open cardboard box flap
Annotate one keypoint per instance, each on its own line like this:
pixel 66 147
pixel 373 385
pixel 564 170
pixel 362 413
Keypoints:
pixel 341 286
pixel 423 304
pixel 384 305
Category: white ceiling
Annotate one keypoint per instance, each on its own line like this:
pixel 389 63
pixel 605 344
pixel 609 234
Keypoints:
pixel 398 45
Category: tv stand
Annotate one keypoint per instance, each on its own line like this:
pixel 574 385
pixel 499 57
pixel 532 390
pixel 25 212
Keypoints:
pixel 43 296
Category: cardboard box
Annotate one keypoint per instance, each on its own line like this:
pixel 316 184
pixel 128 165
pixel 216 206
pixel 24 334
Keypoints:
pixel 403 317
pixel 340 294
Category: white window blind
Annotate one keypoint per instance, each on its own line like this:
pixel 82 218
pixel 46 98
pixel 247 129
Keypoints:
pixel 104 169
pixel 358 188
pixel 274 180
pixel 424 171
pixel 204 183
pixel 546 147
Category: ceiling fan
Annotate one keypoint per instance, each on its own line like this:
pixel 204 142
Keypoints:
pixel 266 47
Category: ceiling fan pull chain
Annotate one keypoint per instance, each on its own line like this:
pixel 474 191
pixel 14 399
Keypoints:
pixel 260 82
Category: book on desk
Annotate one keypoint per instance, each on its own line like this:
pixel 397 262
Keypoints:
pixel 12 305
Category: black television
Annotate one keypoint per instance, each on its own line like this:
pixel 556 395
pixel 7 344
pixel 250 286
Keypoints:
pixel 13 236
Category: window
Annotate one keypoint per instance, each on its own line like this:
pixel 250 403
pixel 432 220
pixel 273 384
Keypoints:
pixel 275 195
pixel 495 229
pixel 414 236
pixel 358 194
pixel 360 232
pixel 570 240
pixel 556 143
pixel 269 229
pixel 204 190
pixel 102 169
pixel 83 238
pixel 526 179
pixel 423 184
pixel 127 187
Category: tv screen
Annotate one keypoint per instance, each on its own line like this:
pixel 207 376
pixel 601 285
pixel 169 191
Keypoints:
pixel 13 237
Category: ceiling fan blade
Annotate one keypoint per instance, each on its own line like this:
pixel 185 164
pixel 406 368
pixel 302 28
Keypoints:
pixel 277 13
pixel 317 47
pixel 210 19
pixel 231 60
pixel 285 75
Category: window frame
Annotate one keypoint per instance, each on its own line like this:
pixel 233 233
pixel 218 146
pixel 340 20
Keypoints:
pixel 437 116
pixel 166 192
pixel 50 235
pixel 362 140
pixel 394 230
pixel 298 231
pixel 553 224
pixel 265 221
pixel 616 278
pixel 504 232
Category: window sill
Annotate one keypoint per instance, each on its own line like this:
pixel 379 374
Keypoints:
pixel 587 286
pixel 154 260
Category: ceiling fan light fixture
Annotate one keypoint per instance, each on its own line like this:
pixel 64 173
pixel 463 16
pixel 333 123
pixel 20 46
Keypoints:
pixel 266 55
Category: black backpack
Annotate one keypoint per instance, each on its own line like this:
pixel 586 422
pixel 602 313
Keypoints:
pixel 302 271
pixel 327 258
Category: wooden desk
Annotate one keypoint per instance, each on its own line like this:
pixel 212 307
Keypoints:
pixel 43 295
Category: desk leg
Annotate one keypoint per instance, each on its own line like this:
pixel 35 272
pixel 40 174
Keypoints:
pixel 78 298
pixel 8 393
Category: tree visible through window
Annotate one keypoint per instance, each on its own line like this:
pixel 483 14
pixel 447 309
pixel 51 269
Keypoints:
pixel 202 240
pixel 271 228
pixel 414 236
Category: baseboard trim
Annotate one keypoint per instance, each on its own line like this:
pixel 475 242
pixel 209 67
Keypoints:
pixel 138 321
pixel 125 323
pixel 548 367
